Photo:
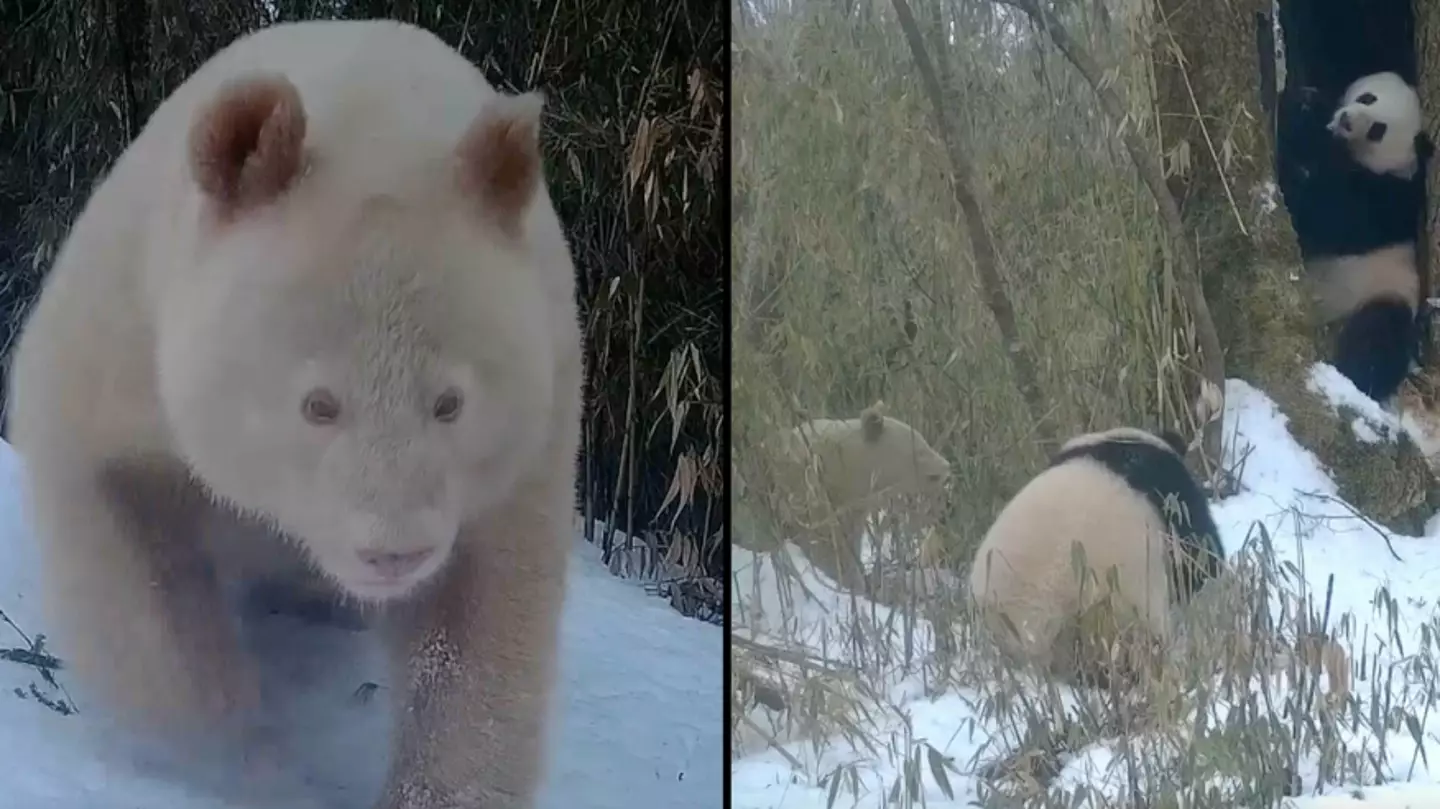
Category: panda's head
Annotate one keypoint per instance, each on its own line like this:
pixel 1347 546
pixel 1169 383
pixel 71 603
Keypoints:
pixel 896 456
pixel 1379 120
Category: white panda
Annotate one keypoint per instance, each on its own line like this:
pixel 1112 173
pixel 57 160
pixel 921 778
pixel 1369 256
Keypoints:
pixel 854 465
pixel 1125 496
pixel 1357 216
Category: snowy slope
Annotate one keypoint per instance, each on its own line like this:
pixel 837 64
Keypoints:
pixel 1279 480
pixel 639 721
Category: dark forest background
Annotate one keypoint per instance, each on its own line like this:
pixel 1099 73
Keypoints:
pixel 635 147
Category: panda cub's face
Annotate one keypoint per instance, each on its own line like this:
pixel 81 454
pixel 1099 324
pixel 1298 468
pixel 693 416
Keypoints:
pixel 1354 123
pixel 1379 121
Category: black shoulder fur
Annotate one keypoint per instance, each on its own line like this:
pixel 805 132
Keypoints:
pixel 1161 476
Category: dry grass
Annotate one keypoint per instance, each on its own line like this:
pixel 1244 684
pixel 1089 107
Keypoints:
pixel 845 224
pixel 1249 697
pixel 853 282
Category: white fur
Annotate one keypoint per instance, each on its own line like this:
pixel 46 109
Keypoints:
pixel 239 335
pixel 1398 106
pixel 1024 574
pixel 336 206
pixel 1116 434
pixel 1340 284
pixel 1024 567
pixel 837 472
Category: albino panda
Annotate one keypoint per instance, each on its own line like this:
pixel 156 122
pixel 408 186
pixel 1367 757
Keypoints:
pixel 1360 251
pixel 1126 498
pixel 318 322
pixel 838 471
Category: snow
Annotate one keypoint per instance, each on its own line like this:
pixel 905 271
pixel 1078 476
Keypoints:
pixel 639 721
pixel 1283 486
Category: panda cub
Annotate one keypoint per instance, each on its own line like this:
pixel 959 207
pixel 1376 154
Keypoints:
pixel 1360 255
pixel 1126 498
pixel 1379 121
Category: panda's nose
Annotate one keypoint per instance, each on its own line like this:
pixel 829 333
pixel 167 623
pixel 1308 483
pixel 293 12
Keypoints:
pixel 394 565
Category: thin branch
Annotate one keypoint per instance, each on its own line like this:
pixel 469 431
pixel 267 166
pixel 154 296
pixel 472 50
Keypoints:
pixel 1186 268
pixel 987 262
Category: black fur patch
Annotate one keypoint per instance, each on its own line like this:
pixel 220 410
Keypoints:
pixel 1375 347
pixel 1424 148
pixel 1376 132
pixel 1337 206
pixel 1176 442
pixel 1160 475
pixel 1366 98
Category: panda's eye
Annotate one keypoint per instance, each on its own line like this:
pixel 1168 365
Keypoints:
pixel 1366 98
pixel 1377 131
pixel 320 407
pixel 447 406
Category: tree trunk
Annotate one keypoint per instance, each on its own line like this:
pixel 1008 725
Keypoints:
pixel 987 261
pixel 1207 85
pixel 1183 273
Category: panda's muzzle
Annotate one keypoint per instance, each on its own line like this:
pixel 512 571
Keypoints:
pixel 942 482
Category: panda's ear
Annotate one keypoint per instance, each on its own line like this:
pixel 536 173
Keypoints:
pixel 872 424
pixel 1376 132
pixel 1424 147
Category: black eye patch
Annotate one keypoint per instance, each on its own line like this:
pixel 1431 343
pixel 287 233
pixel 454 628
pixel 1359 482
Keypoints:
pixel 1366 98
pixel 1376 132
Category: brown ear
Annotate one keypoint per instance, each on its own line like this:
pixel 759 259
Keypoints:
pixel 499 157
pixel 872 423
pixel 247 144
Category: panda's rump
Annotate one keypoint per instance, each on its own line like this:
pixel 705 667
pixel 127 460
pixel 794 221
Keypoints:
pixel 1025 567
pixel 1341 284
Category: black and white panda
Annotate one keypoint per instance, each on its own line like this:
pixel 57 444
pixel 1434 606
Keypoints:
pixel 1358 214
pixel 1379 121
pixel 1125 496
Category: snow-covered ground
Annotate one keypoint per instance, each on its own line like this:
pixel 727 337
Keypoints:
pixel 1280 482
pixel 639 722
